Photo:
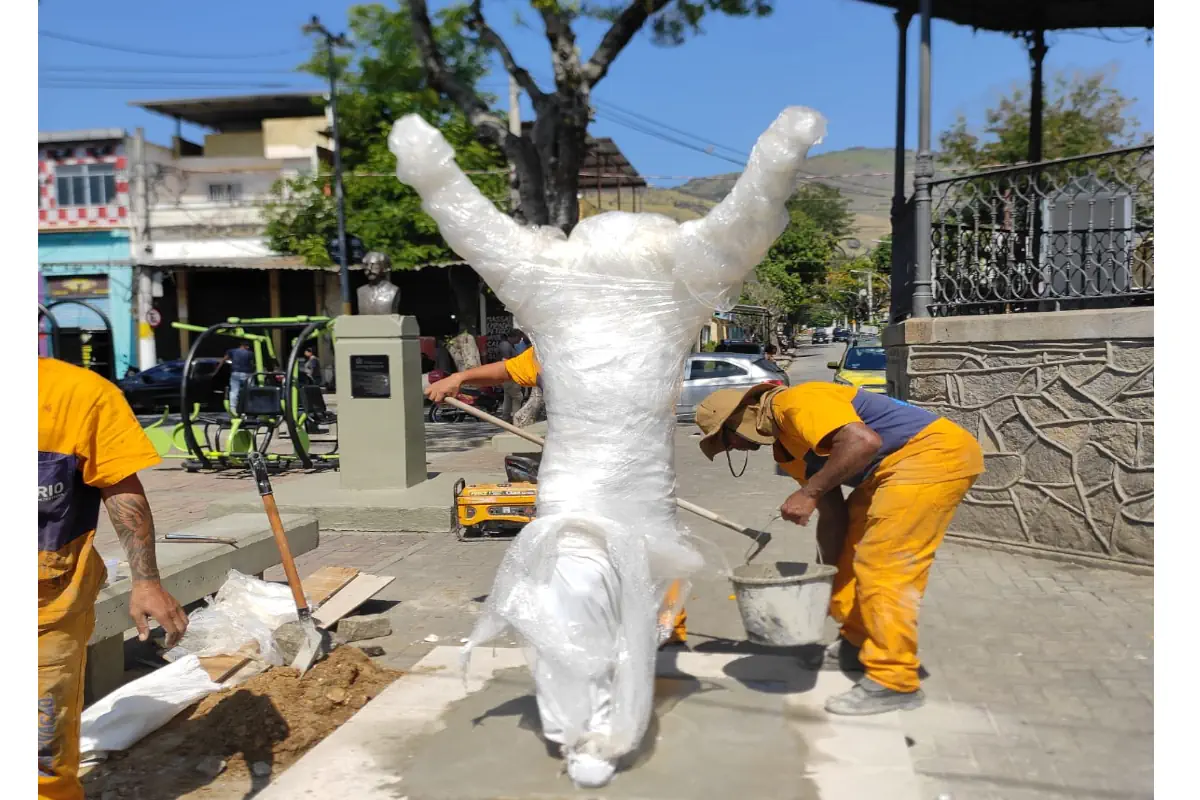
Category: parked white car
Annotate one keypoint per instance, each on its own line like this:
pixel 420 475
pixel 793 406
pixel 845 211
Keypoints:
pixel 704 373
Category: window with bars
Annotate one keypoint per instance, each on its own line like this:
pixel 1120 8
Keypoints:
pixel 86 184
pixel 224 192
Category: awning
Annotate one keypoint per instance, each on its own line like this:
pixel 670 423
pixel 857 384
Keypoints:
pixel 264 263
pixel 238 262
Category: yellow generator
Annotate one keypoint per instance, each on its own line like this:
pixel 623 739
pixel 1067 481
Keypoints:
pixel 488 510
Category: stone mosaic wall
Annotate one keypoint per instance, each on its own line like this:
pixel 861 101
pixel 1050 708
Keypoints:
pixel 1068 433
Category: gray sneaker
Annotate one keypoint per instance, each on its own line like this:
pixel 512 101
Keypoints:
pixel 841 656
pixel 868 697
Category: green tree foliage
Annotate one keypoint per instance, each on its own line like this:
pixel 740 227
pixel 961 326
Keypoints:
pixel 1081 114
pixel 826 207
pixel 382 81
pixel 790 280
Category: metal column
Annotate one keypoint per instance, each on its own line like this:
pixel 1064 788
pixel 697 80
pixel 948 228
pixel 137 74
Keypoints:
pixel 922 296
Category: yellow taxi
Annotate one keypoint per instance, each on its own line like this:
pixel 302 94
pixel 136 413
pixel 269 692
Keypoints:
pixel 863 365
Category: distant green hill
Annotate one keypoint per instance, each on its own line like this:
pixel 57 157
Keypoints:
pixel 855 171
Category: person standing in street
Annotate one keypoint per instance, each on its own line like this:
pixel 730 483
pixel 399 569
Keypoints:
pixel 513 394
pixel 241 370
pixel 908 469
pixel 90 449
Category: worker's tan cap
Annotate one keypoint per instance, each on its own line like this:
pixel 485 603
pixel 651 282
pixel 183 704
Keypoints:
pixel 735 409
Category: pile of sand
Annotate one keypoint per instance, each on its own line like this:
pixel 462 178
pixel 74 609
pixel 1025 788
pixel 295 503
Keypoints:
pixel 257 729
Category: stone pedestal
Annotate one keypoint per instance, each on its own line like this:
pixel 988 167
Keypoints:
pixel 381 427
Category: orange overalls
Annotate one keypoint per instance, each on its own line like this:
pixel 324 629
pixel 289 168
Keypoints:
pixel 899 511
pixel 88 439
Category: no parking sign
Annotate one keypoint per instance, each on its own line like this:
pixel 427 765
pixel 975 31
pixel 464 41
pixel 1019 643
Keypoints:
pixel 153 318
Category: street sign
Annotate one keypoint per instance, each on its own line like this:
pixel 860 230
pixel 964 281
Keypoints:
pixel 358 250
pixel 153 318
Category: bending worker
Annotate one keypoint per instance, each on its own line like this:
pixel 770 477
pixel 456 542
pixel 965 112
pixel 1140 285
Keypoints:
pixel 90 448
pixel 908 470
pixel 524 371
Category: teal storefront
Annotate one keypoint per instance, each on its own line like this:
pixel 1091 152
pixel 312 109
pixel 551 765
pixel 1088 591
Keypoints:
pixel 93 267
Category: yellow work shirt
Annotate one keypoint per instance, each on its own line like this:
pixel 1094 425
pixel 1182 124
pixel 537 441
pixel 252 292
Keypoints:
pixel 917 445
pixel 524 369
pixel 88 440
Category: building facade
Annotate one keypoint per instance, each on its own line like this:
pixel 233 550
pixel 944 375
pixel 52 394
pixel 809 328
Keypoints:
pixel 84 241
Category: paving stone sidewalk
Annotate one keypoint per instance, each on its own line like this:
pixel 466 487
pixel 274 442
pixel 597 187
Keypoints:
pixel 1040 673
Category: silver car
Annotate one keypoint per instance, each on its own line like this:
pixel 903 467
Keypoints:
pixel 704 373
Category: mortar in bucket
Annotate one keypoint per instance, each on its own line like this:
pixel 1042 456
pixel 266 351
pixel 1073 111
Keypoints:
pixel 783 604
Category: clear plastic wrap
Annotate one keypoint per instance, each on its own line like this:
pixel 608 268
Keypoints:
pixel 613 312
pixel 245 610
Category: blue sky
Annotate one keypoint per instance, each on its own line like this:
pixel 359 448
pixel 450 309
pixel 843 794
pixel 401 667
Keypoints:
pixel 723 86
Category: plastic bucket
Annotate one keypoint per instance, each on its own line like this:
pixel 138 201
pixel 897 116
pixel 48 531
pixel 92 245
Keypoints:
pixel 783 604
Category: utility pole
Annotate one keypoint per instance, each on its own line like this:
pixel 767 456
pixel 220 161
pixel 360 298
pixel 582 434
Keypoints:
pixel 870 293
pixel 147 352
pixel 339 190
pixel 514 127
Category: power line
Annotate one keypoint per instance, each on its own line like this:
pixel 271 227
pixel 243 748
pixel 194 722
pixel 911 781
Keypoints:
pixel 665 126
pixel 93 69
pixel 115 84
pixel 62 37
pixel 667 138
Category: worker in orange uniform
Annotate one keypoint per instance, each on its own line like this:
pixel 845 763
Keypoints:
pixel 908 470
pixel 90 448
pixel 524 371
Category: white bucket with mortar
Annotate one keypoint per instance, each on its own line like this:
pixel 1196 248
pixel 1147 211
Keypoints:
pixel 783 604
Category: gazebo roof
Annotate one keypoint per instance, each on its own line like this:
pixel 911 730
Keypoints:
pixel 1015 16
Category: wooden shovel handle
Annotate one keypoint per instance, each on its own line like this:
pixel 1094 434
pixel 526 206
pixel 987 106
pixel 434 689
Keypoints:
pixel 285 552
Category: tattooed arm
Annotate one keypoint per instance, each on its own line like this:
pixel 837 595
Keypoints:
pixel 129 511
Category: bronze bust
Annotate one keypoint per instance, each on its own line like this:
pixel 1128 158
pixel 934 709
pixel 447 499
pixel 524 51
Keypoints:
pixel 380 295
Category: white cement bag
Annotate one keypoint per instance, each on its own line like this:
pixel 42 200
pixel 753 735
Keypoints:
pixel 613 311
pixel 124 717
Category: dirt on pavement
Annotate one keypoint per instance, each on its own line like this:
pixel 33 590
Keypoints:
pixel 232 743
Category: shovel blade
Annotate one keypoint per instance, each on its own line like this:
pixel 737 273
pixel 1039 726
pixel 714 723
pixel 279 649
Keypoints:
pixel 311 649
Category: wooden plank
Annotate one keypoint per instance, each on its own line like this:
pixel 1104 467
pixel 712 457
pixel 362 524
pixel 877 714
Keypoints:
pixel 219 668
pixel 353 595
pixel 325 582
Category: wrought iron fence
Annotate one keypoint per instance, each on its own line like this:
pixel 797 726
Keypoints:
pixel 1071 233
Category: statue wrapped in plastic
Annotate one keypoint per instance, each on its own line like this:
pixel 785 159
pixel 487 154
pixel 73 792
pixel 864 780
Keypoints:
pixel 613 311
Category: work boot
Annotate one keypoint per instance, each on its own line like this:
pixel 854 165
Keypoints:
pixel 868 697
pixel 840 656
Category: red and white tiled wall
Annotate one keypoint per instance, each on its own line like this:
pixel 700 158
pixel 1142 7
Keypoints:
pixel 53 217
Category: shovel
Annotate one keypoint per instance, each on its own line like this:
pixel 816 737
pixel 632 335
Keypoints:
pixel 761 538
pixel 315 644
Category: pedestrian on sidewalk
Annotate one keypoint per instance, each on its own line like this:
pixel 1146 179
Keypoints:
pixel 312 366
pixel 524 370
pixel 907 469
pixel 241 370
pixel 90 448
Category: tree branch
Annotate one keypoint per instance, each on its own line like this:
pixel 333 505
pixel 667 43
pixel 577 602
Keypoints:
pixel 567 71
pixel 491 39
pixel 446 82
pixel 622 30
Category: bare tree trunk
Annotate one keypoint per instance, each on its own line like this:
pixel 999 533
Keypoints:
pixel 528 414
pixel 464 350
pixel 547 163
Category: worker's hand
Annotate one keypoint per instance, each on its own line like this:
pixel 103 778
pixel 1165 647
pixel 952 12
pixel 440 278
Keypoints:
pixel 446 387
pixel 149 599
pixel 799 507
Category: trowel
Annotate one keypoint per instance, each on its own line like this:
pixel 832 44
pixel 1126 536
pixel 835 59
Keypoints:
pixel 316 643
